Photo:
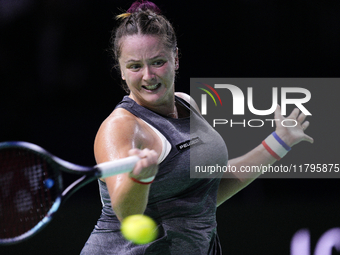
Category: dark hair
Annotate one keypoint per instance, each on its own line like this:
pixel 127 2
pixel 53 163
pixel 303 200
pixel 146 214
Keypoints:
pixel 143 18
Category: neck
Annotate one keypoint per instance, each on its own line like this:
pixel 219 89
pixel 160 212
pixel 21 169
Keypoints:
pixel 173 114
pixel 169 109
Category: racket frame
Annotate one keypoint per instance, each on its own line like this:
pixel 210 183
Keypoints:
pixel 89 174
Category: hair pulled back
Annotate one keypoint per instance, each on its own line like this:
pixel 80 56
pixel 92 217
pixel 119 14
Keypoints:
pixel 142 18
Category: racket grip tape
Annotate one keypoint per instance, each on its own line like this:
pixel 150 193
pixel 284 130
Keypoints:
pixel 118 166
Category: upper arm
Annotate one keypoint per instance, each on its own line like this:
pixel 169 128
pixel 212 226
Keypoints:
pixel 119 133
pixel 116 136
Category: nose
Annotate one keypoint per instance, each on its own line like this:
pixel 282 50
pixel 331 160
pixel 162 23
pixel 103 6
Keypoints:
pixel 148 74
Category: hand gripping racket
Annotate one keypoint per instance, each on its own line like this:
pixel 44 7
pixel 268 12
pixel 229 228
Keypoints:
pixel 32 187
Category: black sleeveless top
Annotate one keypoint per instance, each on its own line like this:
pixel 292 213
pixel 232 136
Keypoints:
pixel 183 207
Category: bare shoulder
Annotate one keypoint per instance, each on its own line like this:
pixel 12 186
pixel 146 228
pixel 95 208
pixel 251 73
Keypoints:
pixel 116 136
pixel 118 119
pixel 188 99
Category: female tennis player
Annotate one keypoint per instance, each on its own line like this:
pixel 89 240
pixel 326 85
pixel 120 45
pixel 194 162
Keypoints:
pixel 153 121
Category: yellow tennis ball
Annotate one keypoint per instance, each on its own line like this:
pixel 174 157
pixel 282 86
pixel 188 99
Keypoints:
pixel 139 228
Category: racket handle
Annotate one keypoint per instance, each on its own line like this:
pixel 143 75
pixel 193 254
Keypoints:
pixel 118 166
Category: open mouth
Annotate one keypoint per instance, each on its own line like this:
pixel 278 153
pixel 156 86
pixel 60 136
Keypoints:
pixel 152 87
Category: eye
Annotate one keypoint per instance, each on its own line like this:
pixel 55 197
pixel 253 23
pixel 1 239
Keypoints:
pixel 134 67
pixel 159 63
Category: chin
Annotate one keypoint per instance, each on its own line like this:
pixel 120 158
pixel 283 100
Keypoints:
pixel 157 98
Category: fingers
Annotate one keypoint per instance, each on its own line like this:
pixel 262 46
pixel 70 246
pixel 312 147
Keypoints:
pixel 301 118
pixel 305 125
pixel 307 138
pixel 150 155
pixel 295 126
pixel 277 113
pixel 134 152
pixel 147 166
pixel 294 114
pixel 148 158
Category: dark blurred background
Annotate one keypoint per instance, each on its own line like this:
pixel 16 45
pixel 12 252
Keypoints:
pixel 57 86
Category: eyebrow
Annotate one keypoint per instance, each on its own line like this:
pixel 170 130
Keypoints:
pixel 134 60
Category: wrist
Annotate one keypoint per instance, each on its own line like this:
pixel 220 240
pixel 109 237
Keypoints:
pixel 286 138
pixel 145 181
pixel 276 146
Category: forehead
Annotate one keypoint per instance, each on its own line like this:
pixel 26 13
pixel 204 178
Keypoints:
pixel 142 46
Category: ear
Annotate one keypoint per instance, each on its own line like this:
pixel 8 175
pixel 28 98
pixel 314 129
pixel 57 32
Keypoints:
pixel 176 59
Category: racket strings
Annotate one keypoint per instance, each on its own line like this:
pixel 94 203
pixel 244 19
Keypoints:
pixel 26 198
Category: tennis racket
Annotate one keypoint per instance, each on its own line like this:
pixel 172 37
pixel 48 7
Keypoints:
pixel 32 186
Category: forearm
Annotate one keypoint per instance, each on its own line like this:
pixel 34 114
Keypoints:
pixel 277 145
pixel 231 183
pixel 129 197
pixel 256 158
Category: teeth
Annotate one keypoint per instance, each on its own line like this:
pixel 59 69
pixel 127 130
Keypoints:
pixel 151 87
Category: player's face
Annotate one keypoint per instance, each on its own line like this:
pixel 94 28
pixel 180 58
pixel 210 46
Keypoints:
pixel 148 67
